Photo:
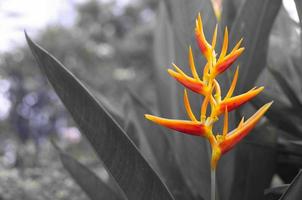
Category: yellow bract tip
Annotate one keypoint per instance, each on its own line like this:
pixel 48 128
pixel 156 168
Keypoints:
pixel 225 44
pixel 241 122
pixel 192 64
pixel 226 123
pixel 188 106
pixel 268 105
pixel 214 39
pixel 148 116
pixel 233 85
pixel 178 69
pixel 237 45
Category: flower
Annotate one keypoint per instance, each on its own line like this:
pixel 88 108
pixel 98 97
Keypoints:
pixel 208 86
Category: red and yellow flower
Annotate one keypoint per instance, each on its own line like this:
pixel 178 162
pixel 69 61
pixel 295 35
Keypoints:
pixel 208 86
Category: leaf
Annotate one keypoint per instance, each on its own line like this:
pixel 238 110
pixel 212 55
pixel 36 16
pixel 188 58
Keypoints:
pixel 135 125
pixel 275 193
pixel 289 159
pixel 289 152
pixel 299 11
pixel 294 64
pixel 281 115
pixel 230 11
pixel 114 112
pixel 164 56
pixel 283 33
pixel 120 157
pixel 93 186
pixel 253 22
pixel 286 88
pixel 135 98
pixel 294 190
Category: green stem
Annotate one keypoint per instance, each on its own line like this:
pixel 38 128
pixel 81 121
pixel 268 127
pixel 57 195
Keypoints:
pixel 213 184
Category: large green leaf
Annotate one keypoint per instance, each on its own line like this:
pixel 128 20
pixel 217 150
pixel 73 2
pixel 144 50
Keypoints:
pixel 281 43
pixel 119 155
pixel 114 112
pixel 136 129
pixel 286 88
pixel 281 115
pixel 164 56
pixel 290 152
pixel 230 11
pixel 294 191
pixel 93 186
pixel 275 193
pixel 299 11
pixel 253 22
pixel 289 159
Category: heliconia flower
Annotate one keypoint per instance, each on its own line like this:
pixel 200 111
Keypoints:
pixel 209 87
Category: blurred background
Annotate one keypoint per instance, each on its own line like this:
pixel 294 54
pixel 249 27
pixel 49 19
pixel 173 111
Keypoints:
pixel 109 45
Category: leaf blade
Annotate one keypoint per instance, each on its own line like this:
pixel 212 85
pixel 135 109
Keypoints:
pixel 294 190
pixel 280 115
pixel 93 186
pixel 254 22
pixel 275 192
pixel 285 86
pixel 163 57
pixel 121 158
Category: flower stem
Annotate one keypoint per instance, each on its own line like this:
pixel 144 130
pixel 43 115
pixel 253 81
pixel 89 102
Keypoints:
pixel 213 183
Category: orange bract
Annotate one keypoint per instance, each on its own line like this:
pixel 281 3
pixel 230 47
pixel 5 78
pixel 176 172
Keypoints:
pixel 208 86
